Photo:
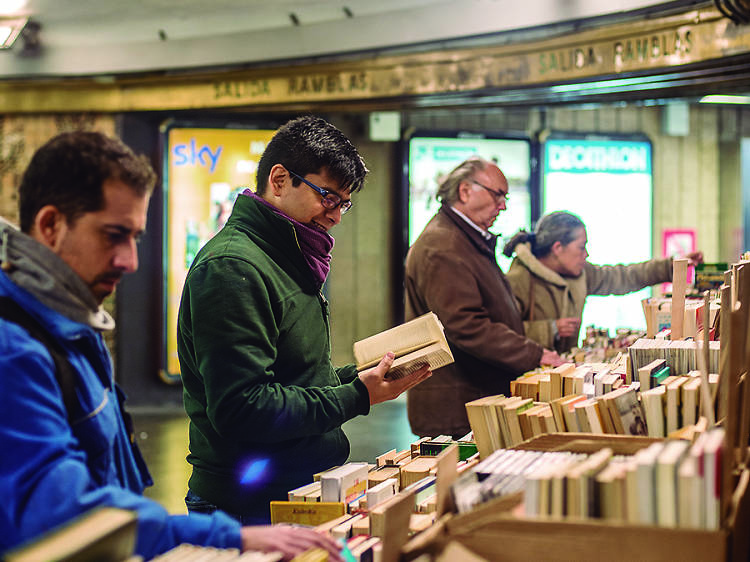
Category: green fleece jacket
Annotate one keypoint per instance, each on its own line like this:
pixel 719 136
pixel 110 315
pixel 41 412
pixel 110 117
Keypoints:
pixel 265 403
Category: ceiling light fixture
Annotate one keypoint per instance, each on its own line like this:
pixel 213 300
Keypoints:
pixel 719 98
pixel 10 29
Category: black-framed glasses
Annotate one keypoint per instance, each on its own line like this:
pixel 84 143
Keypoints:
pixel 330 200
pixel 498 195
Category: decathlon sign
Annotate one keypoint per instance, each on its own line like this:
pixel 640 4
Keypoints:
pixel 586 156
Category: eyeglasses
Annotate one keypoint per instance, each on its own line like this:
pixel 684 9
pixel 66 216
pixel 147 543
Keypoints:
pixel 498 195
pixel 330 199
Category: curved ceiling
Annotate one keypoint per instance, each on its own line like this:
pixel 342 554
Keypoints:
pixel 100 37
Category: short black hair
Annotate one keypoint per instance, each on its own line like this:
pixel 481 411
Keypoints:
pixel 307 145
pixel 69 172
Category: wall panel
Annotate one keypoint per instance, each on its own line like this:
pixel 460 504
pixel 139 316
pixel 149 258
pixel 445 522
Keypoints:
pixel 360 282
pixel 20 137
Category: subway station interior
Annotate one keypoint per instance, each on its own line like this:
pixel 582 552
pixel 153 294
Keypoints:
pixel 664 85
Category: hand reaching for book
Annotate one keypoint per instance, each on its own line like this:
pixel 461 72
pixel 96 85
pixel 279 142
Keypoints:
pixel 382 389
pixel 567 327
pixel 551 358
pixel 694 258
pixel 290 541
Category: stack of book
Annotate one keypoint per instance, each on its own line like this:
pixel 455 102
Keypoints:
pixel 327 497
pixel 615 412
pixel 675 403
pixel 591 379
pixel 503 473
pixel 680 355
pixel 672 483
pixel 345 483
pixel 103 533
pixel 433 446
pixel 502 422
pixel 596 400
pixel 597 345
pixel 355 487
pixel 658 314
pixel 495 421
pixel 186 552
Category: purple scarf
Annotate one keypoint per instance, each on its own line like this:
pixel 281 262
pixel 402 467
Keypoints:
pixel 315 244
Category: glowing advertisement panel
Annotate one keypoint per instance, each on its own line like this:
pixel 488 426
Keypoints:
pixel 432 158
pixel 205 169
pixel 608 183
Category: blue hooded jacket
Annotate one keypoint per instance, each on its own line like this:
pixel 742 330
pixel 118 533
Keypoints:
pixel 58 464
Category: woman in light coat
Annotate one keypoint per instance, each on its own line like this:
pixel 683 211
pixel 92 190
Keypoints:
pixel 551 278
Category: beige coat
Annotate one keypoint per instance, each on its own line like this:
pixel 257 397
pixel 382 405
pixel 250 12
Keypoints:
pixel 544 295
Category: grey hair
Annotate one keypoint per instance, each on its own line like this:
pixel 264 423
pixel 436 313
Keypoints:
pixel 448 190
pixel 559 226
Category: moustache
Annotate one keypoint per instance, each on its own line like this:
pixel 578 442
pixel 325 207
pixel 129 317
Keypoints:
pixel 109 277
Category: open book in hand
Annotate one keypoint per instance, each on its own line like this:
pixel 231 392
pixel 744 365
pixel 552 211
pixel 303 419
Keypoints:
pixel 415 343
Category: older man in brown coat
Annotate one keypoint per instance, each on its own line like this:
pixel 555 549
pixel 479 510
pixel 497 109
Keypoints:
pixel 451 270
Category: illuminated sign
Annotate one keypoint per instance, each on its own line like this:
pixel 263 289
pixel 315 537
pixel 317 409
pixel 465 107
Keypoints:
pixel 205 169
pixel 431 158
pixel 598 156
pixel 608 184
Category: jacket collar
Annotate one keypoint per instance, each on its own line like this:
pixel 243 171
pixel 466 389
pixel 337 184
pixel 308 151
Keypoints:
pixel 273 233
pixel 524 255
pixel 36 269
pixel 249 213
pixel 484 245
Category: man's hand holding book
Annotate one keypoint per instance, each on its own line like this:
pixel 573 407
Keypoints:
pixel 383 388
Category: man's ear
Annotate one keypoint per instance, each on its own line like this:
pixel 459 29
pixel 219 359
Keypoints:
pixel 277 178
pixel 463 191
pixel 48 226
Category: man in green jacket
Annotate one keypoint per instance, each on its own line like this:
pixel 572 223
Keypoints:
pixel 265 404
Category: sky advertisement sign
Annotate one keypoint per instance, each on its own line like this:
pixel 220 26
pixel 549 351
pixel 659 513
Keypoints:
pixel 205 170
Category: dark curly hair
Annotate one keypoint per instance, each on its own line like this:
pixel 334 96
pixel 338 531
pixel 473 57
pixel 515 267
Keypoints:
pixel 70 170
pixel 308 144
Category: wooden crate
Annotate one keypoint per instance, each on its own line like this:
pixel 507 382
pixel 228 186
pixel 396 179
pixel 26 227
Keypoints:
pixel 494 532
pixel 512 539
pixel 587 443
pixel 502 536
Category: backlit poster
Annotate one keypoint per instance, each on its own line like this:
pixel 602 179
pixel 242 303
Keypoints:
pixel 205 169
pixel 432 158
pixel 608 183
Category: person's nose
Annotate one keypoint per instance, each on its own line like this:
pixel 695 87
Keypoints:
pixel 126 257
pixel 334 215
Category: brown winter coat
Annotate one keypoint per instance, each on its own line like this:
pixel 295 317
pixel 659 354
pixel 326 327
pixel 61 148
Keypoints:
pixel 553 296
pixel 451 271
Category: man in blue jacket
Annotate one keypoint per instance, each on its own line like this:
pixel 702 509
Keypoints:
pixel 65 443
